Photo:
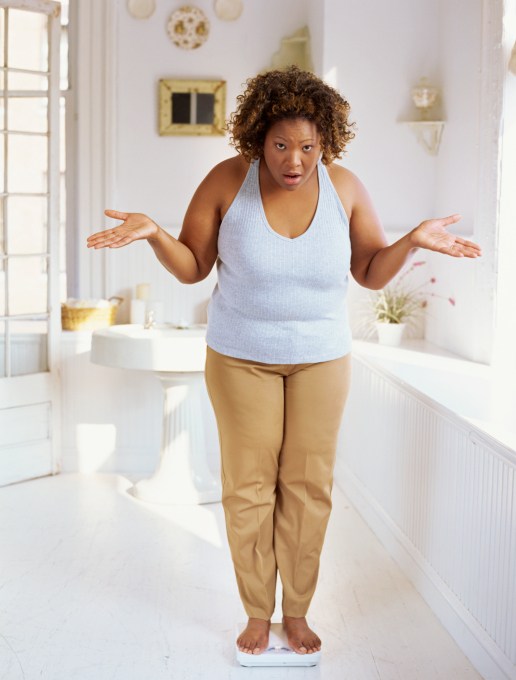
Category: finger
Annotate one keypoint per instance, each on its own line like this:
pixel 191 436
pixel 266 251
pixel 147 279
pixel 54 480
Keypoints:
pixel 470 252
pixel 451 219
pixel 121 242
pixel 99 237
pixel 106 239
pixel 469 244
pixel 455 252
pixel 116 214
pixel 92 241
pixel 458 250
pixel 100 234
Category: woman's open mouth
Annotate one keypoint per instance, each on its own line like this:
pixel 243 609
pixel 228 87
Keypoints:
pixel 292 179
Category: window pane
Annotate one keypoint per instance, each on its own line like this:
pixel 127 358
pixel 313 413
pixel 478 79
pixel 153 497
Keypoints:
pixel 205 108
pixel 2 235
pixel 27 114
pixel 28 40
pixel 65 12
pixel 62 134
pixel 63 66
pixel 2 288
pixel 26 82
pixel 27 164
pixel 2 23
pixel 27 290
pixel 181 107
pixel 27 220
pixel 2 189
pixel 28 340
pixel 2 348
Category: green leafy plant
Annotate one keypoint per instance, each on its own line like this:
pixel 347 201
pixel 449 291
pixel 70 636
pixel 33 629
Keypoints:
pixel 401 301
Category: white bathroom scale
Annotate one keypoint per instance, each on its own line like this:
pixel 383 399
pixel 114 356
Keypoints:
pixel 278 652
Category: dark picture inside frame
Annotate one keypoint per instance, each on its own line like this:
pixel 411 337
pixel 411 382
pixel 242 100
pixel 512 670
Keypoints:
pixel 192 107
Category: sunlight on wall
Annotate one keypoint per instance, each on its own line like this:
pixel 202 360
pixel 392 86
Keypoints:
pixel 95 445
pixel 330 77
pixel 504 353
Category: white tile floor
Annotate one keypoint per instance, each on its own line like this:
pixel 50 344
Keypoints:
pixel 95 585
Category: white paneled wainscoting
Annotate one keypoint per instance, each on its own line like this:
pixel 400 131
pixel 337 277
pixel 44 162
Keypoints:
pixel 438 490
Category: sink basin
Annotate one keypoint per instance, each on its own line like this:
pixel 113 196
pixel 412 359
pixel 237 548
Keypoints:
pixel 163 347
pixel 177 357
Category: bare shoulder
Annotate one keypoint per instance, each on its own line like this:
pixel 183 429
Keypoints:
pixel 346 184
pixel 343 178
pixel 222 183
pixel 232 168
pixel 228 174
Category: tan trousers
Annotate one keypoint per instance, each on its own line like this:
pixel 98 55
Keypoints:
pixel 278 427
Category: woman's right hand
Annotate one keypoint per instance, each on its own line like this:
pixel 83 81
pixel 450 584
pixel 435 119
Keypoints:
pixel 134 227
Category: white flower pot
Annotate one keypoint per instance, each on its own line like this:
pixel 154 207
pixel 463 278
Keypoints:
pixel 390 333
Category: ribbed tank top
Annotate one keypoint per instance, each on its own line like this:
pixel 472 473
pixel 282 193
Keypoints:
pixel 281 300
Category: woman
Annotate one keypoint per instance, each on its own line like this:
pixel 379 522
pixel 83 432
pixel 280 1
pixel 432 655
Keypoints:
pixel 285 225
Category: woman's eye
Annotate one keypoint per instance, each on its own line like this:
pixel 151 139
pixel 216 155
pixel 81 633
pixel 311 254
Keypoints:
pixel 280 146
pixel 308 147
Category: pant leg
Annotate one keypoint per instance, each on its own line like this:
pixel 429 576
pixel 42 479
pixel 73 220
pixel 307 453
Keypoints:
pixel 315 396
pixel 248 402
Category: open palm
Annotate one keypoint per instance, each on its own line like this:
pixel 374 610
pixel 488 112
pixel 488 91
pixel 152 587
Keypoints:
pixel 135 226
pixel 433 235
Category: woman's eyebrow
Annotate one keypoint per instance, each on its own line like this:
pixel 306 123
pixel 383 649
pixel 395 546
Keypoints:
pixel 308 139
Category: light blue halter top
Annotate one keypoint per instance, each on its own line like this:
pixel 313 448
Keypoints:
pixel 280 300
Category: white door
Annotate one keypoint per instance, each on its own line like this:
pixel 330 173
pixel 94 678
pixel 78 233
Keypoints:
pixel 29 215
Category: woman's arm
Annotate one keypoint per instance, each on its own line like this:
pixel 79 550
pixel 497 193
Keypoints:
pixel 191 257
pixel 373 262
pixel 175 256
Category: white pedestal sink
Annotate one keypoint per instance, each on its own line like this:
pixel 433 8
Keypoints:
pixel 177 356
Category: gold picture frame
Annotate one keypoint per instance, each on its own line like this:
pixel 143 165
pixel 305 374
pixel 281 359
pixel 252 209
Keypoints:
pixel 192 107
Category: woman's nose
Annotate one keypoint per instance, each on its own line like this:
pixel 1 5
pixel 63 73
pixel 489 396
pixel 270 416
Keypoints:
pixel 294 159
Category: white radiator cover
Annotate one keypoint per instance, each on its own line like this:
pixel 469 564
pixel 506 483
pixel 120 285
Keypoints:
pixel 442 498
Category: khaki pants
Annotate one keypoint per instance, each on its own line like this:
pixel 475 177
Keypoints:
pixel 278 427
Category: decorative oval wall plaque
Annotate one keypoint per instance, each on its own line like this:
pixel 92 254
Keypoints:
pixel 141 9
pixel 188 27
pixel 228 10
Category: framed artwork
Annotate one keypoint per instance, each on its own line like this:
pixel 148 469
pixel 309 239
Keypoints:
pixel 192 107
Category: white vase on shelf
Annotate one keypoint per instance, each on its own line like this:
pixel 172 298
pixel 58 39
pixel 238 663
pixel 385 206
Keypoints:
pixel 390 333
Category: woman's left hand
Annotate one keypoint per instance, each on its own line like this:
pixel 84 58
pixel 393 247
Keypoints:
pixel 433 235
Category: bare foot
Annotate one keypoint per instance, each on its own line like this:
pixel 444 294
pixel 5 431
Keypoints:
pixel 300 637
pixel 255 637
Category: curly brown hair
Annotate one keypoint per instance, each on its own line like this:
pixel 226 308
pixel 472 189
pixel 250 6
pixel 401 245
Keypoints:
pixel 289 93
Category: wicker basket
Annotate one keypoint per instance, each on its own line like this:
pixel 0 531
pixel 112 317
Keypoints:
pixel 89 318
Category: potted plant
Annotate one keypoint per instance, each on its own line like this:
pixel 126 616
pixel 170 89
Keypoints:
pixel 398 305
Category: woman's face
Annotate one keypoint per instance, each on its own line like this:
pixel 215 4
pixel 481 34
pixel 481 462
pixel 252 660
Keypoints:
pixel 291 151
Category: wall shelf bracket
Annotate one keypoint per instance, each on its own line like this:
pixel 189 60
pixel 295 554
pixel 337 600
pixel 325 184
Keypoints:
pixel 428 134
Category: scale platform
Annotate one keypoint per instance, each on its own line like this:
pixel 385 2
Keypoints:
pixel 278 653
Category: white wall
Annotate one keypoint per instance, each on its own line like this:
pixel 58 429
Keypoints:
pixel 467 328
pixel 378 52
pixel 375 53
pixel 158 175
